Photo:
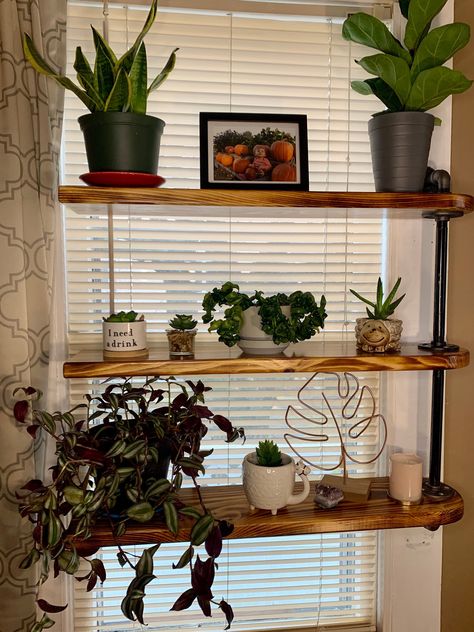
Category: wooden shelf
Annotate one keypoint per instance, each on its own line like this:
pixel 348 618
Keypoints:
pixel 390 204
pixel 303 358
pixel 229 503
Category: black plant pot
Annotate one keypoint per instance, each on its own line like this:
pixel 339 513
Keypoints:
pixel 400 145
pixel 122 141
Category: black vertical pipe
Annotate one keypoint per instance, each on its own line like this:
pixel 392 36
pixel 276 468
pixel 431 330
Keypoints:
pixel 441 269
pixel 437 409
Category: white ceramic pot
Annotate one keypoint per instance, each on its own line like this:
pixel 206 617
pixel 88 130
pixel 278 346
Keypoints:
pixel 253 340
pixel 124 337
pixel 272 487
pixel 378 336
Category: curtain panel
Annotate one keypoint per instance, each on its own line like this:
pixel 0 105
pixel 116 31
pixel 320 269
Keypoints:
pixel 31 110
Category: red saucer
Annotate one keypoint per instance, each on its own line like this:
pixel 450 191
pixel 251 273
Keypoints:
pixel 121 179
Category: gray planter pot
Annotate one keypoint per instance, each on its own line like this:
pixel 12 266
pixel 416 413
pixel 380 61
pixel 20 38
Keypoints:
pixel 400 145
pixel 122 141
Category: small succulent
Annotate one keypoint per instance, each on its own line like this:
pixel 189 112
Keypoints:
pixel 268 453
pixel 183 322
pixel 123 317
pixel 382 309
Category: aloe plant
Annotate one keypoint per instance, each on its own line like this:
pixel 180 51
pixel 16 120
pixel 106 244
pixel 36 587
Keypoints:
pixel 268 453
pixel 113 84
pixel 409 76
pixel 382 309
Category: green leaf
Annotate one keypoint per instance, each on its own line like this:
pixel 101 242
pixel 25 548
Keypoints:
pixel 119 97
pixel 201 529
pixel 103 67
pixel 171 517
pixel 145 563
pixel 134 448
pixel 420 15
pixel 190 511
pixel 185 558
pixel 370 31
pixel 158 80
pixel 439 46
pixel 138 81
pixel 433 86
pixel 157 488
pixel 392 70
pixel 74 495
pixel 127 58
pixel 381 90
pixel 141 512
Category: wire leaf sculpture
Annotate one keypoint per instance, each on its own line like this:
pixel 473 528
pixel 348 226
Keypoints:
pixel 314 425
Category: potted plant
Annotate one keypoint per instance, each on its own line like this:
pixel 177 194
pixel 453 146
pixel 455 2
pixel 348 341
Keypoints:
pixel 379 333
pixel 181 336
pixel 119 135
pixel 127 468
pixel 124 335
pixel 409 79
pixel 262 325
pixel 269 478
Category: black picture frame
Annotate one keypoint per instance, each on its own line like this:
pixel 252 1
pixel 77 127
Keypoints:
pixel 253 131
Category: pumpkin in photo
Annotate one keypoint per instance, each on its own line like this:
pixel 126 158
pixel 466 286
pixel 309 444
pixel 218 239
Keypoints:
pixel 241 164
pixel 284 172
pixel 282 151
pixel 250 173
pixel 226 160
pixel 241 150
pixel 229 149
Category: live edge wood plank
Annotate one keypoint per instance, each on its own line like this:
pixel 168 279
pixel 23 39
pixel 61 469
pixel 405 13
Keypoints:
pixel 303 358
pixel 269 198
pixel 229 503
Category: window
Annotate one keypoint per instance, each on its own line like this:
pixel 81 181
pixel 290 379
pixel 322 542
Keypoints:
pixel 165 262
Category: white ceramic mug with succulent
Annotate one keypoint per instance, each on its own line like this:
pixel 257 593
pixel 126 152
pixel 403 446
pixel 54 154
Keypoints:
pixel 269 478
pixel 124 335
pixel 379 333
pixel 181 335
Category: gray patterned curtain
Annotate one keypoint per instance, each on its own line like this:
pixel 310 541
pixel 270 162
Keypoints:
pixel 31 270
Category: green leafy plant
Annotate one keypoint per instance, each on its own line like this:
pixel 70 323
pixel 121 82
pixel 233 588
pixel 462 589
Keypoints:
pixel 382 309
pixel 409 76
pixel 124 469
pixel 112 84
pixel 306 317
pixel 183 322
pixel 123 317
pixel 268 453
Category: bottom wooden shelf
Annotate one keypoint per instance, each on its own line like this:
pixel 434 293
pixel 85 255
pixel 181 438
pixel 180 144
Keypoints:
pixel 229 503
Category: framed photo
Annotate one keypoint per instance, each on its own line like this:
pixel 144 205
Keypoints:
pixel 253 151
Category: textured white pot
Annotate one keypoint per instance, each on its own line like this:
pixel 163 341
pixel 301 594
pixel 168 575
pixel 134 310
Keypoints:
pixel 253 340
pixel 124 337
pixel 377 336
pixel 272 487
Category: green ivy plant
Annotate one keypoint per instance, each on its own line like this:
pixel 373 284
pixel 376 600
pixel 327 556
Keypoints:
pixel 409 76
pixel 122 470
pixel 381 309
pixel 306 317
pixel 112 84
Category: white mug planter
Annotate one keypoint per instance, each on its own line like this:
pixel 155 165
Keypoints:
pixel 378 336
pixel 124 339
pixel 253 340
pixel 272 487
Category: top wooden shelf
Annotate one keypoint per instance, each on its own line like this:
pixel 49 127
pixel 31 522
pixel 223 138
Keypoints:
pixel 393 204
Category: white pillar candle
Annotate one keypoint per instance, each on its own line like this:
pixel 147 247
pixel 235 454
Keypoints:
pixel 405 477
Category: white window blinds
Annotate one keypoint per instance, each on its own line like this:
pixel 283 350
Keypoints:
pixel 165 261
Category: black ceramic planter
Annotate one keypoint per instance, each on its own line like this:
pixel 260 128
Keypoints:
pixel 122 141
pixel 400 145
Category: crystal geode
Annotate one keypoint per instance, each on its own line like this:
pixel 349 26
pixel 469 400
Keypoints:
pixel 327 496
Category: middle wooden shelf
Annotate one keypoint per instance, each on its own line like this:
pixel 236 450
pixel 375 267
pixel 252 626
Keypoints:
pixel 304 357
pixel 228 502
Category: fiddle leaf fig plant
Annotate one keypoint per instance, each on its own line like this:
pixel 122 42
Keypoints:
pixel 127 467
pixel 409 76
pixel 306 316
pixel 111 84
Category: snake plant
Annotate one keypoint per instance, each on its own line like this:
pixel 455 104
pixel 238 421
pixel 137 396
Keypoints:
pixel 114 84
